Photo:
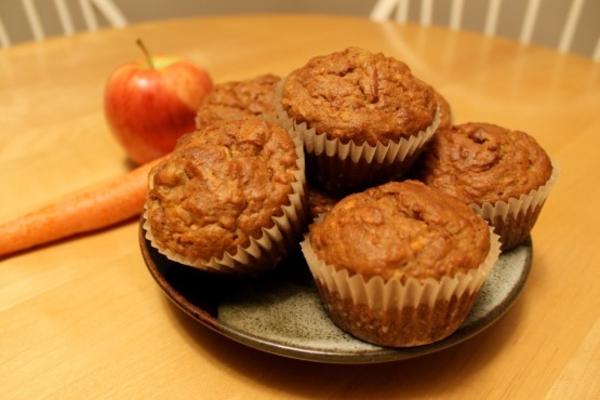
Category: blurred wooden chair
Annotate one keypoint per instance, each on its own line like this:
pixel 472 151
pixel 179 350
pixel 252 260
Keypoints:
pixel 399 10
pixel 89 10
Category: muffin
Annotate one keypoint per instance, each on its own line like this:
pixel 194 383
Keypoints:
pixel 239 99
pixel 320 202
pixel 504 174
pixel 445 111
pixel 363 117
pixel 229 198
pixel 400 264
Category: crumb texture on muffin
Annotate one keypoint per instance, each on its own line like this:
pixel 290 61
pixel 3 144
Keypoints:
pixel 220 187
pixel 401 230
pixel 480 162
pixel 239 99
pixel 360 96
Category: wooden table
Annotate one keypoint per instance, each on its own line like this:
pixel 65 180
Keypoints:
pixel 83 318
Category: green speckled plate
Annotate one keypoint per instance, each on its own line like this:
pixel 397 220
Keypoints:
pixel 281 313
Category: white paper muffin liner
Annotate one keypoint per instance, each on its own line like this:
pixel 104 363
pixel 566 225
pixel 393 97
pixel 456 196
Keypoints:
pixel 515 206
pixel 398 293
pixel 394 157
pixel 263 252
pixel 513 219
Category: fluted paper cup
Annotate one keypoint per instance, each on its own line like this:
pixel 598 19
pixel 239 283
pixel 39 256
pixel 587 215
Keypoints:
pixel 513 219
pixel 263 252
pixel 339 166
pixel 402 311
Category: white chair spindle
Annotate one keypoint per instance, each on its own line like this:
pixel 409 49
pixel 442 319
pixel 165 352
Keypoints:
pixel 88 15
pixel 566 37
pixel 34 19
pixel 456 14
pixel 426 12
pixel 596 55
pixel 402 11
pixel 383 10
pixel 4 39
pixel 399 10
pixel 64 16
pixel 531 13
pixel 111 12
pixel 107 8
pixel 491 19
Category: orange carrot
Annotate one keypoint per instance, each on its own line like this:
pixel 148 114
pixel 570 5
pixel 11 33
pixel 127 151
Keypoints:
pixel 89 209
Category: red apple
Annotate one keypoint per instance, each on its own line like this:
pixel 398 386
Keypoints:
pixel 150 104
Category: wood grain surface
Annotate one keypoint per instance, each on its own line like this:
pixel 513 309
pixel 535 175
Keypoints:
pixel 83 319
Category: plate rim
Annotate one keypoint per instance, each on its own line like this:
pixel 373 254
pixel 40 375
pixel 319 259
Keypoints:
pixel 384 354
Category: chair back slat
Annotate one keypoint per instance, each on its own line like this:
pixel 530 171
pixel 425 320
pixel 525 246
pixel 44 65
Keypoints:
pixel 107 8
pixel 456 12
pixel 383 10
pixel 566 37
pixel 402 10
pixel 491 18
pixel 531 13
pixel 4 39
pixel 34 19
pixel 64 16
pixel 426 12
pixel 111 12
pixel 91 22
pixel 596 55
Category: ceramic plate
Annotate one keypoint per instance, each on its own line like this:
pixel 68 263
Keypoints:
pixel 280 312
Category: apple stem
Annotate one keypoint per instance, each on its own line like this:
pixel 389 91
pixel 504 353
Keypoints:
pixel 149 59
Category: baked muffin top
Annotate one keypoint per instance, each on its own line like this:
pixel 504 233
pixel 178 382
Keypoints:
pixel 239 99
pixel 445 111
pixel 320 202
pixel 360 96
pixel 220 187
pixel 480 162
pixel 401 230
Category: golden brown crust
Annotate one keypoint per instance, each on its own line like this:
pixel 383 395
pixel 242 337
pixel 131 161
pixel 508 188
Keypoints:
pixel 360 96
pixel 320 202
pixel 480 162
pixel 220 187
pixel 239 99
pixel 401 229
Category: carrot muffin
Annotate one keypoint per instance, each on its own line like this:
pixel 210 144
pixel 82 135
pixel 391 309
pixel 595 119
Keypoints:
pixel 445 111
pixel 387 262
pixel 363 117
pixel 320 202
pixel 503 174
pixel 239 99
pixel 229 198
